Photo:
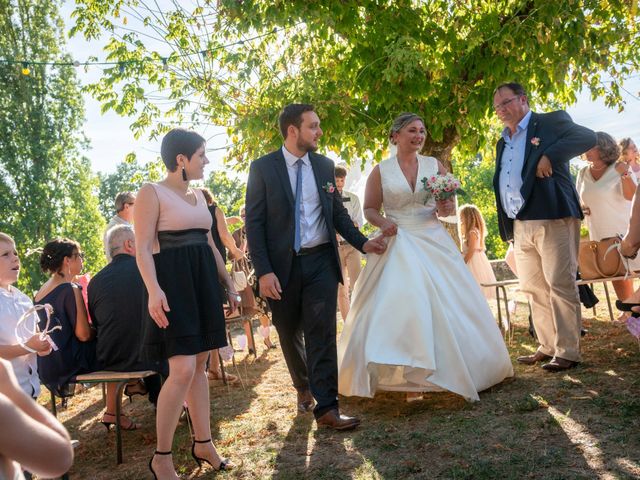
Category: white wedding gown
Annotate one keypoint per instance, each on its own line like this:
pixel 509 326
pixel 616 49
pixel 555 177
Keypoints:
pixel 418 321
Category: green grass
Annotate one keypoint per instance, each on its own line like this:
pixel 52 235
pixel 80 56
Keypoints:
pixel 581 424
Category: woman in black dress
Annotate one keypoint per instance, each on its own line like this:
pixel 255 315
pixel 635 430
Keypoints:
pixel 182 271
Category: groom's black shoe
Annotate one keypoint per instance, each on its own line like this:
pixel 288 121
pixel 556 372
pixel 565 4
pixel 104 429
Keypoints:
pixel 305 401
pixel 535 358
pixel 333 419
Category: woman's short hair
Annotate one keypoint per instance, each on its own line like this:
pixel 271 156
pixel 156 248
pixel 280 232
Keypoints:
pixel 5 237
pixel 54 253
pixel 179 142
pixel 292 115
pixel 402 121
pixel 607 148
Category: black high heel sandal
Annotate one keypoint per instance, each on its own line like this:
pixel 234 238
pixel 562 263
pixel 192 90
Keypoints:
pixel 138 388
pixel 225 464
pixel 150 461
pixel 626 307
pixel 130 426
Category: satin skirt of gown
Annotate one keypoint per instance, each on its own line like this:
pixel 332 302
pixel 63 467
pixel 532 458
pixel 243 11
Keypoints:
pixel 418 320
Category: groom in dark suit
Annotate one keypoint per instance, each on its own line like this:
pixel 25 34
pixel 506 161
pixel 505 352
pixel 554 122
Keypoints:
pixel 293 211
pixel 539 209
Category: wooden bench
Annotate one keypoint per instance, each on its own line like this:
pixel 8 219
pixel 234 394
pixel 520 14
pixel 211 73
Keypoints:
pixel 103 377
pixel 501 295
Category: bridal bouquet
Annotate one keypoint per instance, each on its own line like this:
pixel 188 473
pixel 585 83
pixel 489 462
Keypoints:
pixel 442 187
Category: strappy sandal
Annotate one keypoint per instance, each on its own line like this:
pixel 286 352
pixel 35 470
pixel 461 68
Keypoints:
pixel 225 464
pixel 151 460
pixel 129 426
pixel 137 388
pixel 626 307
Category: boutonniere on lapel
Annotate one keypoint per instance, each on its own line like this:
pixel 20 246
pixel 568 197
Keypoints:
pixel 535 141
pixel 329 187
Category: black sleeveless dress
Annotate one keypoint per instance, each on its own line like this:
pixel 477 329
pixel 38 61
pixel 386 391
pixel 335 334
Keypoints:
pixel 186 271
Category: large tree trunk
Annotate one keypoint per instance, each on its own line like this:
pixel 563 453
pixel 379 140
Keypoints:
pixel 442 149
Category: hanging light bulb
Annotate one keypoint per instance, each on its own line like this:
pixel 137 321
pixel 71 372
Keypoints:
pixel 25 69
pixel 121 67
pixel 165 65
pixel 76 63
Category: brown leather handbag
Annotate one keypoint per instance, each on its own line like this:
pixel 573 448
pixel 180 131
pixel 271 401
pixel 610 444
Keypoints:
pixel 594 261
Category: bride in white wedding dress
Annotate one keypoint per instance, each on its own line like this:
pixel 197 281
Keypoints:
pixel 418 320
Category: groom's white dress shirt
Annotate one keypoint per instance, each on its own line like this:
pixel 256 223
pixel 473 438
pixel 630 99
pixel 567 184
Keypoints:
pixel 313 228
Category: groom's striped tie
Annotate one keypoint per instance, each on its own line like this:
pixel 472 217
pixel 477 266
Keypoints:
pixel 297 238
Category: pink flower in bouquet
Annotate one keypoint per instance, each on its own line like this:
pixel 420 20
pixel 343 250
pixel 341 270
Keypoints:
pixel 441 187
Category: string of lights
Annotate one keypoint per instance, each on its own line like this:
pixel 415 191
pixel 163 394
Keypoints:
pixel 163 60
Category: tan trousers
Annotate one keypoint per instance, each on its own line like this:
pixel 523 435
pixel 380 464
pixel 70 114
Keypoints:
pixel 546 254
pixel 351 262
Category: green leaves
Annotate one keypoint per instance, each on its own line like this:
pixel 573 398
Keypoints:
pixel 47 187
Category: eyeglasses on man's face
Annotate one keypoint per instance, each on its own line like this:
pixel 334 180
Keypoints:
pixel 505 103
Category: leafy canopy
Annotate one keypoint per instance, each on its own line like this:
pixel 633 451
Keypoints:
pixel 47 188
pixel 360 62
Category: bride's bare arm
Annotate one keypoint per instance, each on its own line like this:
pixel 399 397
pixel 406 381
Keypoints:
pixel 373 204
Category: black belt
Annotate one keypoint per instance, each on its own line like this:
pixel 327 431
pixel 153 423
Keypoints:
pixel 312 250
pixel 179 238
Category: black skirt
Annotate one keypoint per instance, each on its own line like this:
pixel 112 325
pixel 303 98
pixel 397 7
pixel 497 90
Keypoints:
pixel 186 271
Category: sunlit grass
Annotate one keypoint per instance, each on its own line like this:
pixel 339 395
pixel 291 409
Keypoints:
pixel 583 423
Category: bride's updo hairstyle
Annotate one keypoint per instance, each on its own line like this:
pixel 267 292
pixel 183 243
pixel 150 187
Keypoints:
pixel 54 253
pixel 402 121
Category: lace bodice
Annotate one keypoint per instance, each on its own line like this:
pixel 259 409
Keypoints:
pixel 401 204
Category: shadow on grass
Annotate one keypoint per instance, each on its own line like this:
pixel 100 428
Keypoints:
pixel 97 447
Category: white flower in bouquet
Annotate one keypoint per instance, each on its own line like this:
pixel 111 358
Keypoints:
pixel 442 187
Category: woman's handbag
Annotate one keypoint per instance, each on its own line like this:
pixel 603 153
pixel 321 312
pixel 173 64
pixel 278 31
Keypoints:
pixel 239 280
pixel 600 259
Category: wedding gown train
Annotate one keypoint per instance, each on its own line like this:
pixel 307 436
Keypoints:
pixel 418 320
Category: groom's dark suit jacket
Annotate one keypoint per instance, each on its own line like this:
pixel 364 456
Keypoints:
pixel 552 197
pixel 270 214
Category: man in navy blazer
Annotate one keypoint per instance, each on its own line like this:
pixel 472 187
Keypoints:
pixel 293 211
pixel 539 210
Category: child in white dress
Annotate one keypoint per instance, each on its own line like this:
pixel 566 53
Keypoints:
pixel 472 235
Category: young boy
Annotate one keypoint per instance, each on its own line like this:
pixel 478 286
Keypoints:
pixel 13 304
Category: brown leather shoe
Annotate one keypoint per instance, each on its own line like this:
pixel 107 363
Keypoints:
pixel 305 401
pixel 558 364
pixel 535 358
pixel 333 419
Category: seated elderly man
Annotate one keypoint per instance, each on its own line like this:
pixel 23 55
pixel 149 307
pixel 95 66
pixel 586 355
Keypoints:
pixel 116 304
